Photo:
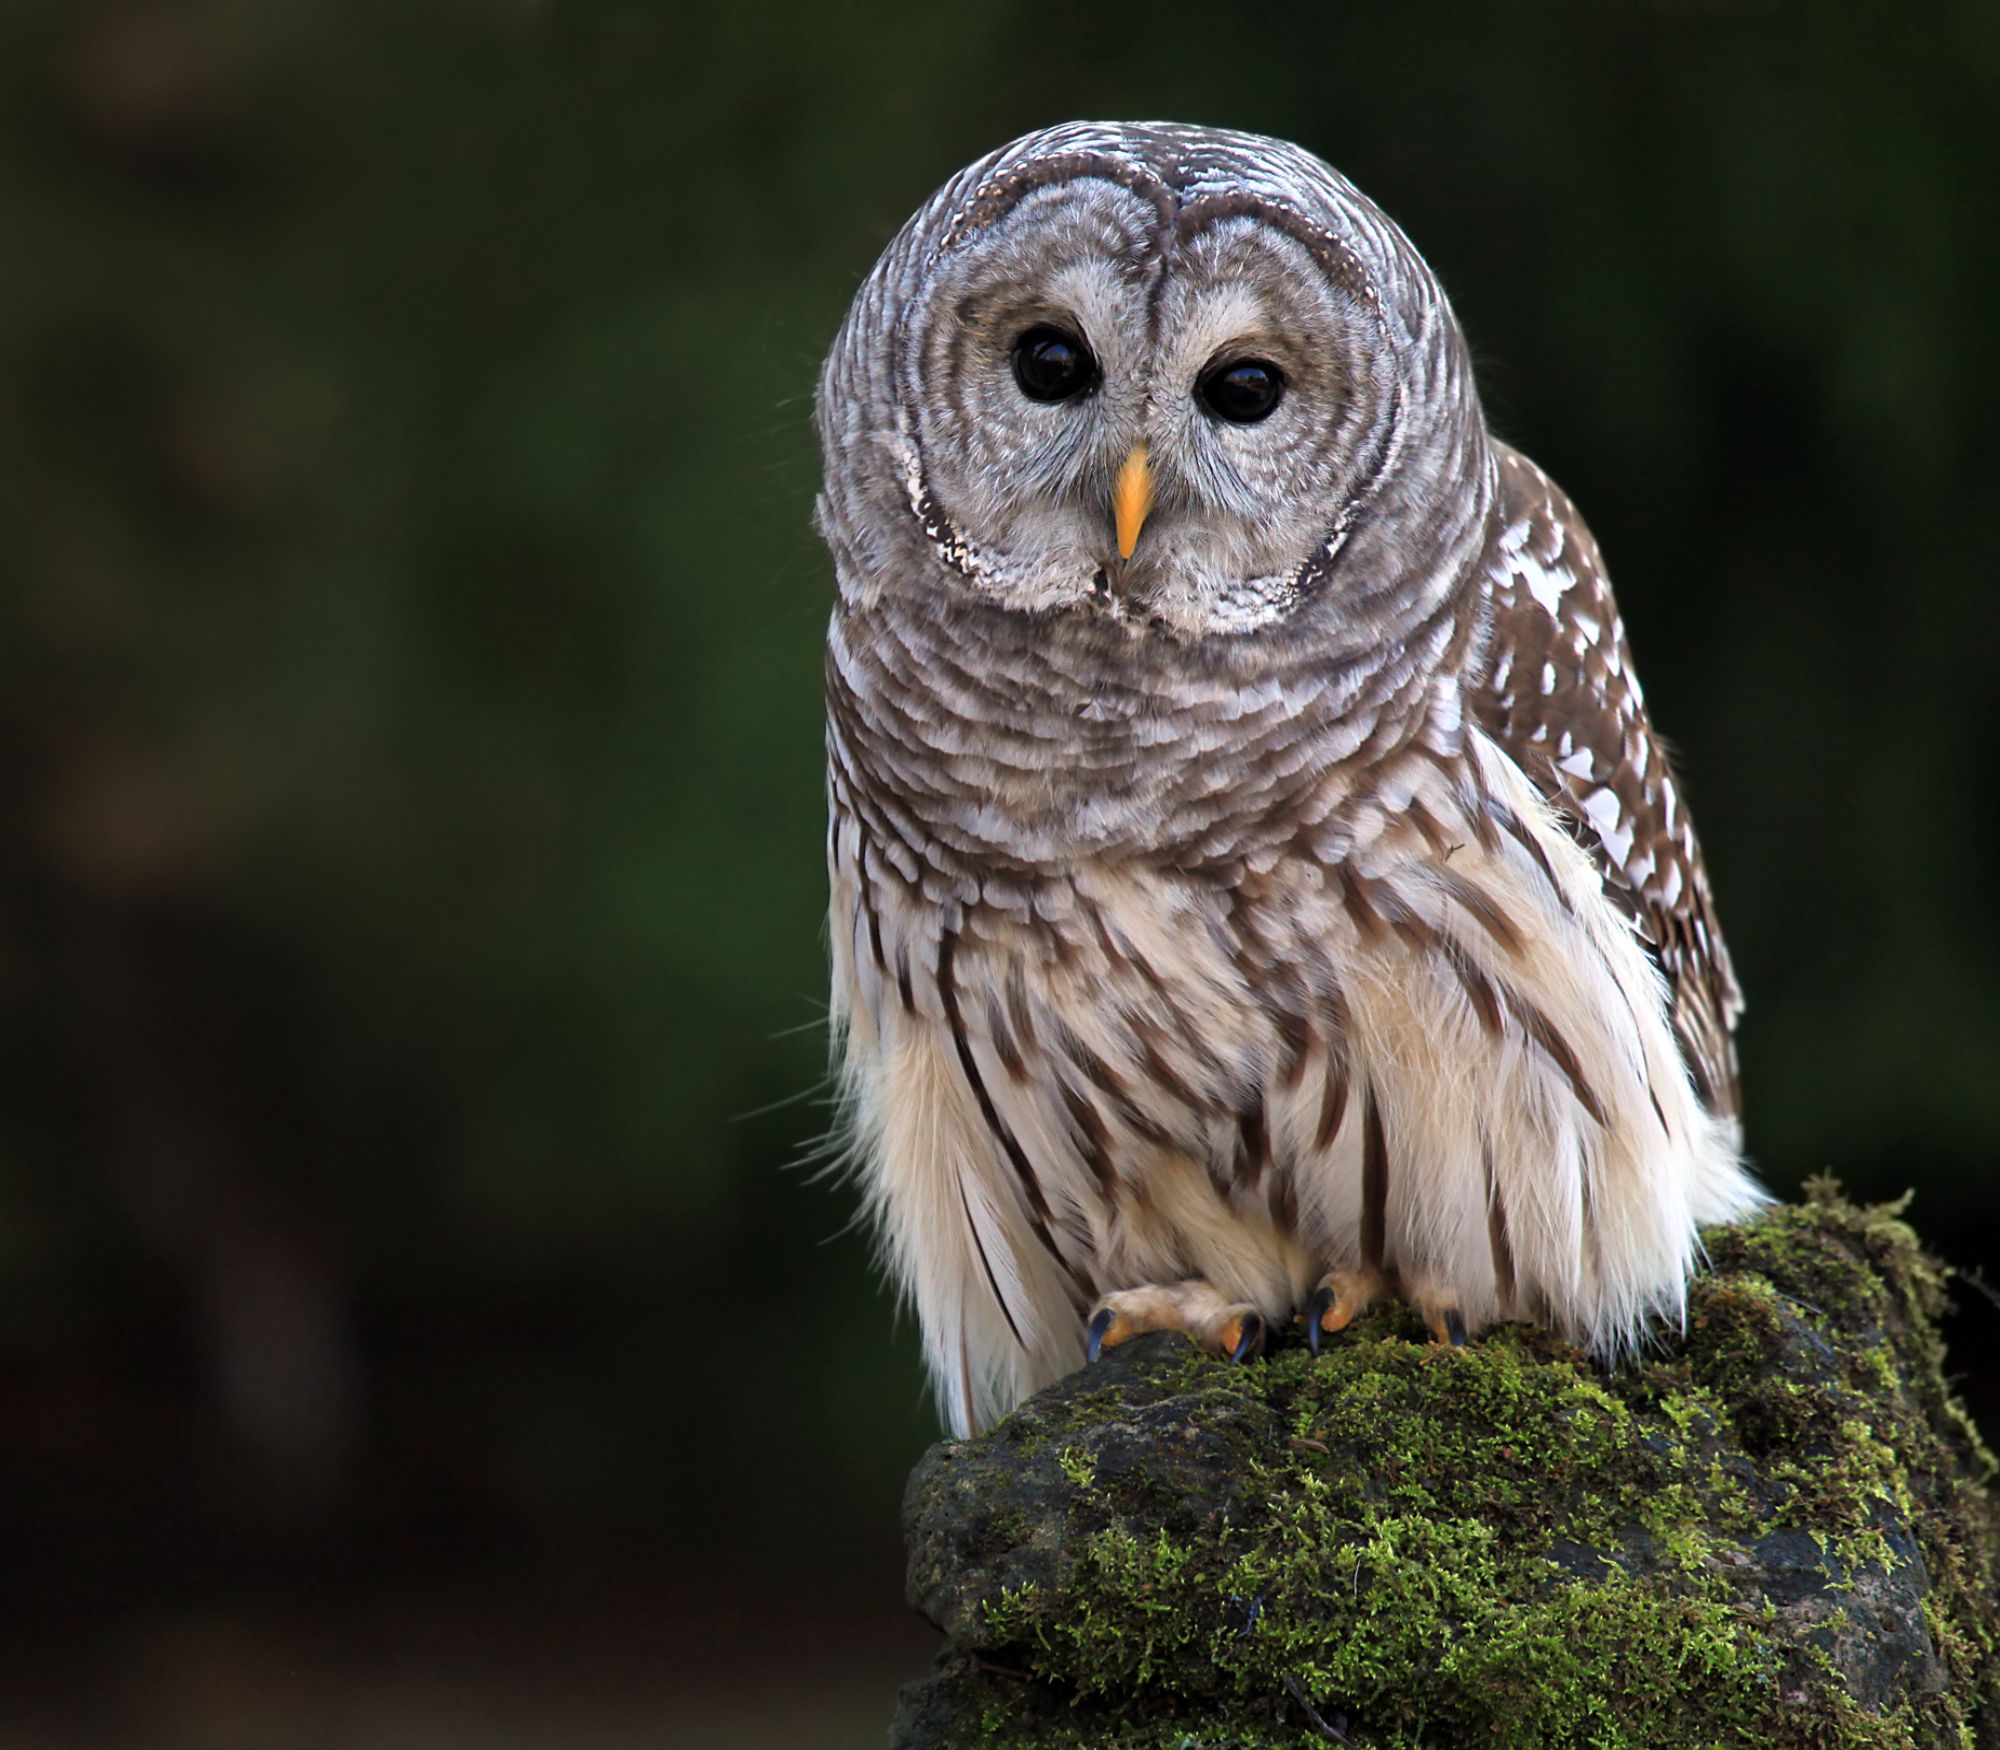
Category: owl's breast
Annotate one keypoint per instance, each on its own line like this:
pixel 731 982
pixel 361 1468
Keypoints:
pixel 997 742
pixel 1425 1044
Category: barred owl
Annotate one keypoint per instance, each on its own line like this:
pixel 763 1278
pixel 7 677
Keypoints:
pixel 1257 888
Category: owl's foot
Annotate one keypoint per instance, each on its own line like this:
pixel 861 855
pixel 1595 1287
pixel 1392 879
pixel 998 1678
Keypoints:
pixel 1344 1295
pixel 1341 1297
pixel 1447 1323
pixel 1232 1328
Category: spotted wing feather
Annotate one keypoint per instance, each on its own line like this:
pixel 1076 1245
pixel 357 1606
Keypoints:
pixel 1561 696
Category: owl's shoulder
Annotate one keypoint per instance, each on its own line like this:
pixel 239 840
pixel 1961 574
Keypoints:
pixel 1557 690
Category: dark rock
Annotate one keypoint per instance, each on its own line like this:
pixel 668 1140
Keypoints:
pixel 1776 1531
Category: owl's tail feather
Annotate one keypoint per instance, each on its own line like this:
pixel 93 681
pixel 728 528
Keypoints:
pixel 1723 1189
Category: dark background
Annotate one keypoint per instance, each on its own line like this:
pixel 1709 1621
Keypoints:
pixel 410 797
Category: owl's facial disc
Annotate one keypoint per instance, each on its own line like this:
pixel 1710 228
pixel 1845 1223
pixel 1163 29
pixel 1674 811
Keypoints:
pixel 1021 374
pixel 1162 420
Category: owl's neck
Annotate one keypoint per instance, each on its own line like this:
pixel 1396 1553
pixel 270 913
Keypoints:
pixel 981 739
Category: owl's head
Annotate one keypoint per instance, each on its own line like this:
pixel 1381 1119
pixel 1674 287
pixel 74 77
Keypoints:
pixel 1180 379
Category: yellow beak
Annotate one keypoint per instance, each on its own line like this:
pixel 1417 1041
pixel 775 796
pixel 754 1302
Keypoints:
pixel 1131 499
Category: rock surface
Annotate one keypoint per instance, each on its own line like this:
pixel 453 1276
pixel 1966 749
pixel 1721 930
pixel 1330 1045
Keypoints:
pixel 1775 1532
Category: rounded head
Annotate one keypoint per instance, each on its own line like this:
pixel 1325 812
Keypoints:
pixel 1184 379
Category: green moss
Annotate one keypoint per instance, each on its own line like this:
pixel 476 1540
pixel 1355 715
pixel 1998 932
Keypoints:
pixel 1773 1533
pixel 1078 1466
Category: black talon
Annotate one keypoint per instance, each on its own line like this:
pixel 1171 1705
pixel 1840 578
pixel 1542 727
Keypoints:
pixel 1454 1328
pixel 1099 1324
pixel 1250 1343
pixel 1316 1309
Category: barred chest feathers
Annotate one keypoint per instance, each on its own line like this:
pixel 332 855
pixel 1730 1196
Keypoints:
pixel 1416 1036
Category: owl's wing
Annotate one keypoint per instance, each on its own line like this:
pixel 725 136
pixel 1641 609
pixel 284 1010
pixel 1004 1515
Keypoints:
pixel 1561 697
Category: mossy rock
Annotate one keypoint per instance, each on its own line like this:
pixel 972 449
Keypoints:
pixel 1776 1532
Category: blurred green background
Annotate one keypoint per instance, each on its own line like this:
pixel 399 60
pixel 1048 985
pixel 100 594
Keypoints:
pixel 410 797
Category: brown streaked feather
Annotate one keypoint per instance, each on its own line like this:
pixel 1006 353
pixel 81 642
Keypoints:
pixel 986 1264
pixel 1496 1231
pixel 1283 1200
pixel 1114 1088
pixel 1374 1184
pixel 1253 1146
pixel 1037 1205
pixel 1004 1046
pixel 1559 697
pixel 1333 1100
pixel 1091 1135
pixel 1558 1050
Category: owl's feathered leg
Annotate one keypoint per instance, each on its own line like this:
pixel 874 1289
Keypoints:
pixel 1232 1328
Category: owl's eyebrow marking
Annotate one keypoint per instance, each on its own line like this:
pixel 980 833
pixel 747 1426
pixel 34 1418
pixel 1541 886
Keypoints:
pixel 994 199
pixel 1335 259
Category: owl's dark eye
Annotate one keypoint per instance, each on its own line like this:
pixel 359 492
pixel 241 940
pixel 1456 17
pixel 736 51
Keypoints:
pixel 1052 364
pixel 1243 391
